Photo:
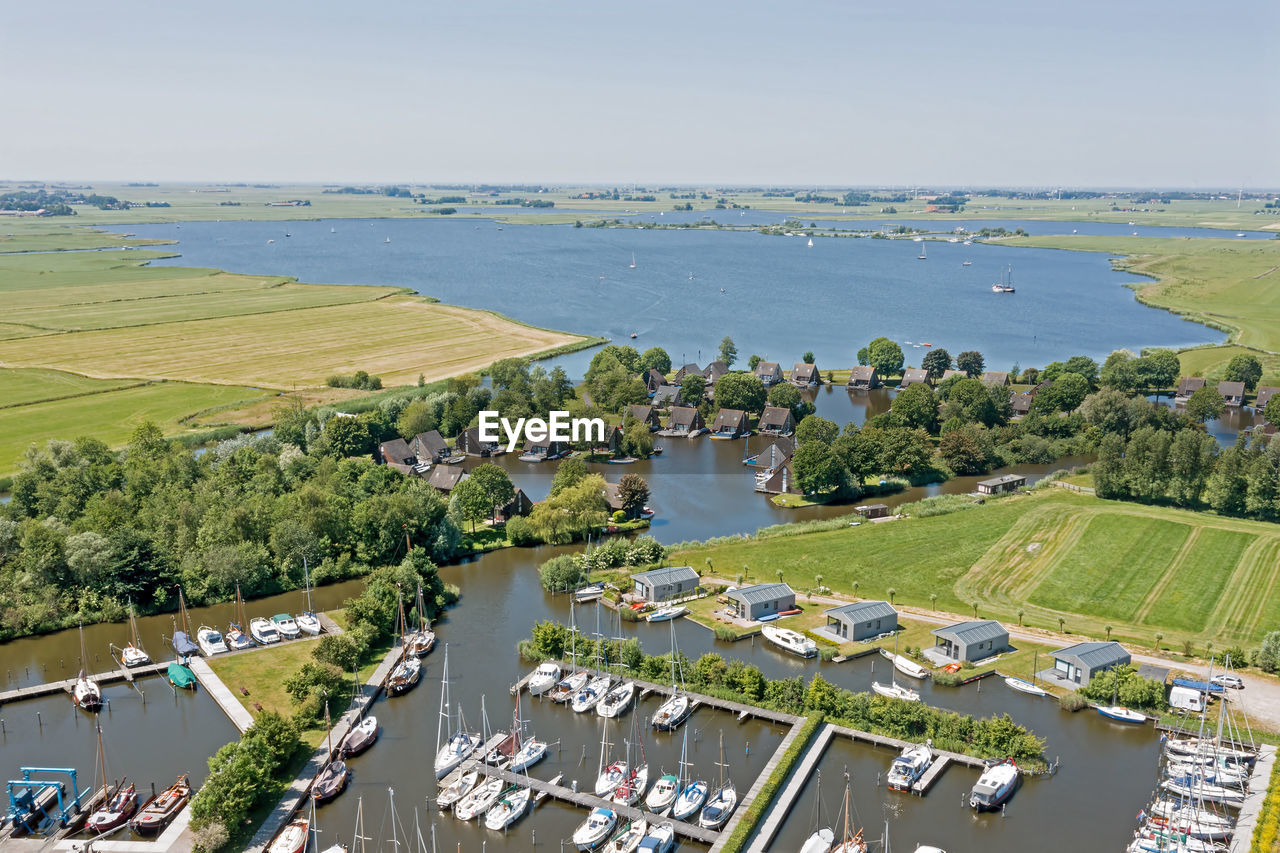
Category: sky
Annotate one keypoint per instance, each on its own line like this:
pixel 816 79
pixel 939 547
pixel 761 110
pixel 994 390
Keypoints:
pixel 1123 93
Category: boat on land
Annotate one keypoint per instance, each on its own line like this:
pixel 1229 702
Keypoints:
pixel 308 622
pixel 423 640
pixel 908 767
pixel 362 736
pixel 723 801
pixel 616 700
pixel 237 639
pixel 457 789
pixel 664 614
pixel 210 641
pixel 511 805
pixel 543 678
pixel 293 839
pixel 86 692
pixel 592 832
pixel 182 643
pixel 159 811
pixel 478 801
pixel 287 626
pixel 181 676
pixel 629 837
pixel 453 746
pixel 133 654
pixel 1005 284
pixel 995 786
pixel 790 641
pixel 263 631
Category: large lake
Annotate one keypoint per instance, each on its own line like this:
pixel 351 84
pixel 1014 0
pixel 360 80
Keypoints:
pixel 780 298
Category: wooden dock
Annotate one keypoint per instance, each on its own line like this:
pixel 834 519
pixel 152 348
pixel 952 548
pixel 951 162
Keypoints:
pixel 65 685
pixel 1242 838
pixel 590 801
pixel 899 745
pixel 922 785
pixel 783 805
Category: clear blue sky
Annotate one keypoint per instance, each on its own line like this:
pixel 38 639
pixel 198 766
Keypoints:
pixel 1115 93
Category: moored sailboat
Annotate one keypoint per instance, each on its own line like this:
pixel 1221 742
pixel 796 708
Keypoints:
pixel 308 622
pixel 159 811
pixel 182 643
pixel 237 639
pixel 452 747
pixel 133 654
pixel 85 691
pixel 721 803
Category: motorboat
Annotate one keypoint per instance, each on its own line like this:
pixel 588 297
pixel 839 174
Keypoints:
pixel 995 786
pixel 895 691
pixel 405 676
pixel 287 626
pixel 331 781
pixel 1121 714
pixel 457 789
pixel 237 639
pixel 308 623
pixel 1197 789
pixel 664 614
pixel 263 631
pixel 909 766
pixel 210 641
pixel 479 799
pixel 610 778
pixel 690 800
pixel 589 593
pixel 543 678
pixel 456 749
pixel 293 839
pixel 586 698
pixel 592 832
pixel 87 693
pixel 511 804
pixel 661 839
pixel 530 753
pixel 1024 686
pixel 115 812
pixel 160 810
pixel 672 713
pixel 565 689
pixel 718 808
pixel 628 838
pixel 790 641
pixel 633 787
pixel 819 842
pixel 362 736
pixel 616 700
pixel 662 794
pixel 181 676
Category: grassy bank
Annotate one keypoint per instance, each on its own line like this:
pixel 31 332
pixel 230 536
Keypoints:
pixel 1040 558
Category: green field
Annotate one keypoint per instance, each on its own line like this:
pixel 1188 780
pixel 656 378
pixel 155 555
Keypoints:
pixel 23 387
pixel 1053 554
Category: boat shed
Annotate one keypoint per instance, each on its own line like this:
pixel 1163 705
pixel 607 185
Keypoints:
pixel 972 641
pixel 761 600
pixel 861 620
pixel 1081 662
pixel 667 582
pixel 1000 485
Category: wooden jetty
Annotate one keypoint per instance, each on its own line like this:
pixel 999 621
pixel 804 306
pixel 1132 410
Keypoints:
pixel 782 805
pixel 1242 838
pixel 899 745
pixel 922 785
pixel 65 685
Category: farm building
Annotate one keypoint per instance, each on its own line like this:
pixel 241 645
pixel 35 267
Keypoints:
pixel 664 583
pixel 971 641
pixel 1079 663
pixel 776 420
pixel 999 485
pixel 861 620
pixel 763 599
pixel 769 373
pixel 863 378
pixel 804 374
pixel 913 376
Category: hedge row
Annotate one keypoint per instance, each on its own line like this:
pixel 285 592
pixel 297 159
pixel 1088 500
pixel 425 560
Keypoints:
pixel 1266 835
pixel 764 800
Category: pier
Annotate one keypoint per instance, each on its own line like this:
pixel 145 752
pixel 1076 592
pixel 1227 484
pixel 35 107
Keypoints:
pixel 1242 838
pixel 65 685
pixel 781 806
pixel 221 694
pixel 899 745
pixel 922 785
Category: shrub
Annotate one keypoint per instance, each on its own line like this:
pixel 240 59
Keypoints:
pixel 724 632
pixel 519 533
pixel 948 679
pixel 210 837
pixel 937 505
pixel 1073 701
pixel 619 516
pixel 747 823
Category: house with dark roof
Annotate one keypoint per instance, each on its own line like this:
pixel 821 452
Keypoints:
pixel 667 395
pixel 1265 392
pixel 860 620
pixel 1077 665
pixel 430 446
pixel 1020 403
pixel 774 453
pixel 776 420
pixel 518 505
pixel 995 377
pixel 397 454
pixel 768 372
pixel 1002 484
pixel 612 443
pixel 667 582
pixel 543 449
pixel 1232 393
pixel 804 374
pixel 445 478
pixel 1187 386
pixel 714 371
pixel 778 480
pixel 730 423
pixel 947 374
pixel 653 380
pixel 612 496
pixel 863 378
pixel 646 415
pixel 469 443
pixel 762 599
pixel 685 420
pixel 972 641
pixel 685 371
pixel 913 376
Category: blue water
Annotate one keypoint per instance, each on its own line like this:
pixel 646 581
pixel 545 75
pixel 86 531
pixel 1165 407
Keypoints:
pixel 780 298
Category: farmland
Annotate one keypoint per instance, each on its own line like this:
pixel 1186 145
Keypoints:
pixel 1046 556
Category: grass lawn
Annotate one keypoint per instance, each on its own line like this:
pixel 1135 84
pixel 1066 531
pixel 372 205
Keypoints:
pixel 22 387
pixel 1050 555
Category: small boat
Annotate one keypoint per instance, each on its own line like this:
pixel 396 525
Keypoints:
pixel 543 678
pixel 565 689
pixel 1196 789
pixel 457 789
pixel 633 260
pixel 263 631
pixel 633 787
pixel 405 676
pixel 1198 746
pixel 210 641
pixel 478 801
pixel 1233 777
pixel 851 839
pixel 511 805
pixel 115 812
pixel 671 713
pixel 966 263
pixel 1024 686
pixel 589 593
pixel 362 736
pixel 269 242
pixel 810 242
pixel 690 800
pixel 1239 233
pixel 453 746
pixel 293 839
pixel 87 693
pixel 616 700
pixel 157 813
pixel 610 778
pixel 634 336
pixel 133 654
pixel 181 676
pixel 1121 714
pixel 908 767
pixel 895 691
pixel 530 753
pixel 1153 839
pixel 819 842
pixel 592 832
pixel 924 255
pixel 308 623
pixel 1004 285
pixel 663 793
pixel 628 838
pixel 663 614
pixel 790 641
pixel 995 786
pixel 331 781
pixel 333 231
pixel 237 640
pixel 287 626
pixel 587 698
pixel 661 839
pixel 388 240
pixel 906 666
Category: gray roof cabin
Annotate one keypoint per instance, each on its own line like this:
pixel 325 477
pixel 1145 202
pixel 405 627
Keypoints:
pixel 685 419
pixel 763 599
pixel 730 423
pixel 646 415
pixel 863 378
pixel 804 374
pixel 397 454
pixel 1265 393
pixel 913 376
pixel 1079 663
pixel 430 446
pixel 667 582
pixel 860 620
pixel 776 420
pixel 685 371
pixel 1002 484
pixel 1020 403
pixel 445 478
pixel 995 377
pixel 667 395
pixel 1187 386
pixel 774 454
pixel 1232 392
pixel 714 371
pixel 654 380
pixel 972 641
pixel 469 443
pixel 778 480
pixel 947 374
pixel 769 372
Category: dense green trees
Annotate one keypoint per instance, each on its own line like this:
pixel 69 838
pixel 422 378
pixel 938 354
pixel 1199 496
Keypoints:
pixel 655 358
pixel 936 362
pixel 742 391
pixel 971 362
pixel 692 389
pixel 1205 404
pixel 633 492
pixel 916 407
pixel 1244 368
pixel 242 774
pixel 784 395
pixel 885 356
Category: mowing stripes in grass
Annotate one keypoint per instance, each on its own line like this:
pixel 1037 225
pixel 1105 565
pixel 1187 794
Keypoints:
pixel 1196 583
pixel 1109 571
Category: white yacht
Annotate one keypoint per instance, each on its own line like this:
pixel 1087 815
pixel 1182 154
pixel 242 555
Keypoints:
pixel 616 700
pixel 263 631
pixel 210 641
pixel 478 801
pixel 530 753
pixel 459 787
pixel 663 793
pixel 308 623
pixel 287 626
pixel 895 691
pixel 593 831
pixel 664 614
pixel 790 641
pixel 543 678
pixel 511 804
pixel 587 698
pixel 661 839
pixel 909 767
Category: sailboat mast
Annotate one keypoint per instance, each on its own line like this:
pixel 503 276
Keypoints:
pixel 306 580
pixel 444 699
pixel 395 841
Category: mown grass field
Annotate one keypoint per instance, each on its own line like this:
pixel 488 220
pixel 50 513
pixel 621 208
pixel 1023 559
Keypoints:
pixel 20 387
pixel 1050 555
